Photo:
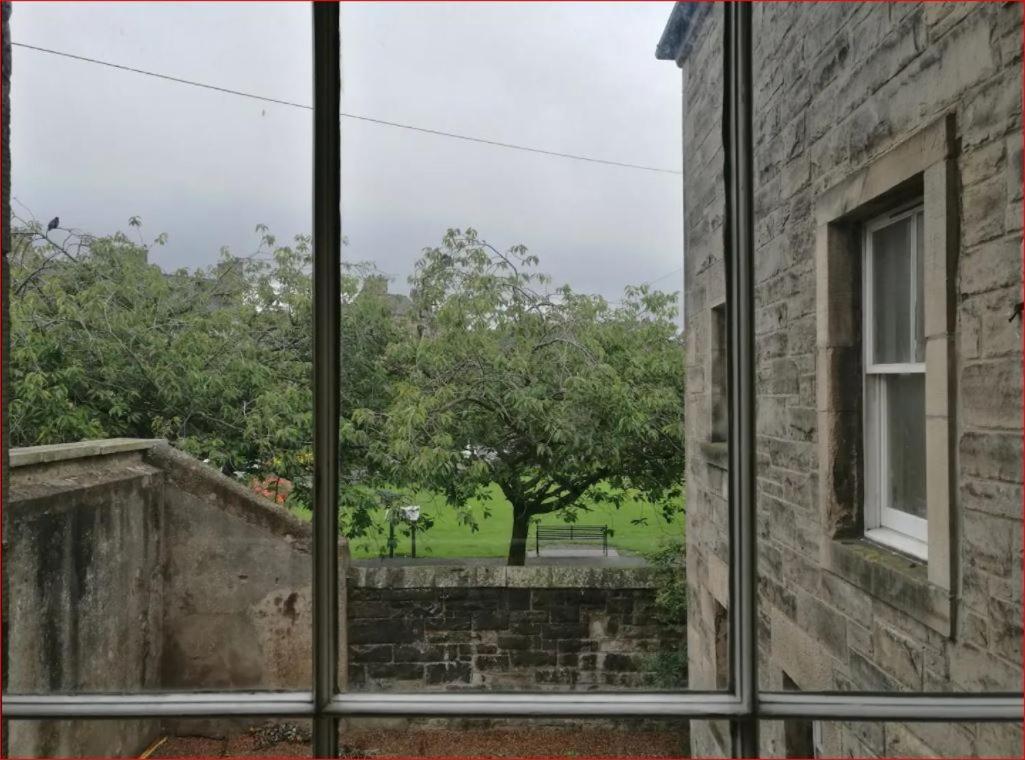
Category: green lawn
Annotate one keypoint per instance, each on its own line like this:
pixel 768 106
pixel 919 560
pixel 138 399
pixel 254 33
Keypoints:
pixel 448 538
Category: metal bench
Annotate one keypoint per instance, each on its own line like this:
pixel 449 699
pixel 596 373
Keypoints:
pixel 595 533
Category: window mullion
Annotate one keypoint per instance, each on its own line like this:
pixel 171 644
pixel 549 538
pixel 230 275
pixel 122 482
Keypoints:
pixel 327 239
pixel 739 265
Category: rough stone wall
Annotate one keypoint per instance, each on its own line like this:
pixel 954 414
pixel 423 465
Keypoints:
pixel 836 86
pixel 497 628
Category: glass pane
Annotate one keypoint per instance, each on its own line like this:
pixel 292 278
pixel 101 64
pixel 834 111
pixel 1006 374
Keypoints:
pixel 919 287
pixel 892 293
pixel 513 417
pixel 904 427
pixel 162 738
pixel 160 411
pixel 515 737
pixel 812 738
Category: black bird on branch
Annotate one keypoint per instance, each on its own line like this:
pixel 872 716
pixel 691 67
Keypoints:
pixel 54 224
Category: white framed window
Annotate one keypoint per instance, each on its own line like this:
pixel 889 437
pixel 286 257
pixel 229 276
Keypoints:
pixel 894 384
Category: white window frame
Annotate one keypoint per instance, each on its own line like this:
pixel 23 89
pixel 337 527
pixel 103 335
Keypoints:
pixel 883 523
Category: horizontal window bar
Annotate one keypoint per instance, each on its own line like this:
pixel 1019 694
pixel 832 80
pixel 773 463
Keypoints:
pixel 892 707
pixel 180 705
pixel 696 705
pixel 608 705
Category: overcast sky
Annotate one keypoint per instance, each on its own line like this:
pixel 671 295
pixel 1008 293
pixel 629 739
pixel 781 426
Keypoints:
pixel 96 146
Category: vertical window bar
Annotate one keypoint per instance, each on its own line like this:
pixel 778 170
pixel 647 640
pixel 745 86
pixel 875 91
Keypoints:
pixel 327 237
pixel 739 275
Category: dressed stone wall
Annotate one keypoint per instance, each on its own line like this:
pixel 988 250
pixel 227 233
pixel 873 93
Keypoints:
pixel 838 88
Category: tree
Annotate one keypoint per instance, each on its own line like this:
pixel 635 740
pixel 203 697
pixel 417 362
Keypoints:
pixel 556 396
pixel 218 360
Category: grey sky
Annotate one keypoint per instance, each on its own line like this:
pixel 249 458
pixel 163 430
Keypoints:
pixel 96 145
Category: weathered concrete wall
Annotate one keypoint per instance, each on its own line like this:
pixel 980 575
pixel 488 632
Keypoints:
pixel 131 567
pixel 498 628
pixel 837 85
pixel 237 584
pixel 83 556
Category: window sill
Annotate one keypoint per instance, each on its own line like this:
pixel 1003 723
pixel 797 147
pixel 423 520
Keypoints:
pixel 716 453
pixel 915 548
pixel 896 579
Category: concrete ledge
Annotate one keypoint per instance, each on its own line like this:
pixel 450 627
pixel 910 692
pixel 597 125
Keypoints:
pixel 546 576
pixel 60 452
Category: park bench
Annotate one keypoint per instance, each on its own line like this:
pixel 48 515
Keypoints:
pixel 574 533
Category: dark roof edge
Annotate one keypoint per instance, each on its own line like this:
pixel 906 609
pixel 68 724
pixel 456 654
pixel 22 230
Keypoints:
pixel 678 36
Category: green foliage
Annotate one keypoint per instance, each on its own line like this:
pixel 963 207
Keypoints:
pixel 669 561
pixel 218 360
pixel 669 667
pixel 544 391
pixel 488 376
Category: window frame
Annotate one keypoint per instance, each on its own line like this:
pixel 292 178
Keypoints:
pixel 883 523
pixel 744 704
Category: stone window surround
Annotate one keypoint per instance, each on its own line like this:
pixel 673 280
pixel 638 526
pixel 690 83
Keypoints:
pixel 921 166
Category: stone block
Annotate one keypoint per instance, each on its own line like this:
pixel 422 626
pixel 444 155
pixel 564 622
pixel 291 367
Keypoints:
pixel 447 673
pixel 983 211
pixel 420 652
pixel 990 542
pixel 991 393
pixel 899 656
pixel 985 161
pixel 972 669
pixel 532 658
pixel 1005 627
pixel 993 498
pixel 406 671
pixel 371 653
pixel 991 456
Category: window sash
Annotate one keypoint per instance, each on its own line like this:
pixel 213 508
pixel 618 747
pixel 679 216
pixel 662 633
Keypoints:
pixel 744 706
pixel 868 300
pixel 883 523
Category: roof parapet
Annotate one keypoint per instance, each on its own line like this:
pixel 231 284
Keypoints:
pixel 677 38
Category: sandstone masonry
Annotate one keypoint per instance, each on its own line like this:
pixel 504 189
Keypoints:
pixel 842 89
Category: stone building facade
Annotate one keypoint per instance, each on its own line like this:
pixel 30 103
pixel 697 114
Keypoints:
pixel 864 113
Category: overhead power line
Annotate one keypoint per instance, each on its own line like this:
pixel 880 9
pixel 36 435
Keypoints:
pixel 662 277
pixel 357 117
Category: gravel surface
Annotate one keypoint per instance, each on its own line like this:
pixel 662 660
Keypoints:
pixel 434 742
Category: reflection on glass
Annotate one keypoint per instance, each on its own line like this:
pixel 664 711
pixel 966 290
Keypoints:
pixel 810 739
pixel 905 445
pixel 159 738
pixel 891 293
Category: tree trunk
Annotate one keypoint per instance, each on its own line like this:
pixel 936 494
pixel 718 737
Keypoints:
pixel 518 542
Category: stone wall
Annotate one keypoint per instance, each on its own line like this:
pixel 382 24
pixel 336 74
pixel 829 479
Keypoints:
pixel 837 86
pixel 498 628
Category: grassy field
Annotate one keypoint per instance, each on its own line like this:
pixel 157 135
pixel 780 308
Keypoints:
pixel 448 538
